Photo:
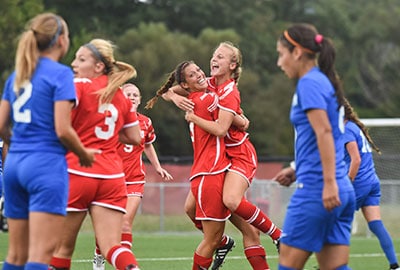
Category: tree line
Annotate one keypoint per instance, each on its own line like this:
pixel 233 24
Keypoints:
pixel 155 35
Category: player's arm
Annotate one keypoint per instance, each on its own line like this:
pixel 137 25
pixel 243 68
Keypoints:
pixel 67 134
pixel 130 135
pixel 217 128
pixel 352 149
pixel 323 132
pixel 178 96
pixel 151 155
pixel 5 124
pixel 241 122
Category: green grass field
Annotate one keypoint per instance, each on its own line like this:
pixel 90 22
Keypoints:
pixel 174 251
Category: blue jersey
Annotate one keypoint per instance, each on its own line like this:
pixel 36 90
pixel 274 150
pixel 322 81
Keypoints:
pixel 366 174
pixel 33 109
pixel 315 91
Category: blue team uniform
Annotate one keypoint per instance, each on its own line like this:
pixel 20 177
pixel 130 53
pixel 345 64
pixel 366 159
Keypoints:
pixel 366 183
pixel 308 225
pixel 1 167
pixel 35 175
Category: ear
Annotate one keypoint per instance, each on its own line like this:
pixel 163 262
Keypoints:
pixel 99 67
pixel 297 53
pixel 184 85
pixel 232 66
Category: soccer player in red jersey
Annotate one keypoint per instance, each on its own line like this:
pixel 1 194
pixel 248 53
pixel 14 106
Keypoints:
pixel 135 170
pixel 209 162
pixel 225 71
pixel 103 116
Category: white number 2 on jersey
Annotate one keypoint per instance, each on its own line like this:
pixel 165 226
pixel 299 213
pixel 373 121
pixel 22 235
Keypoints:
pixel 108 120
pixel 23 116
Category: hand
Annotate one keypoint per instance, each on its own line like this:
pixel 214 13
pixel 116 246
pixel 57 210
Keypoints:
pixel 330 195
pixel 164 174
pixel 88 157
pixel 285 177
pixel 189 116
pixel 246 124
pixel 182 103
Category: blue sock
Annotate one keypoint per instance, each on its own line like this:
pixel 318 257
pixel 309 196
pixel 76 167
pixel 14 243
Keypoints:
pixel 377 227
pixel 280 267
pixel 343 267
pixel 36 266
pixel 8 266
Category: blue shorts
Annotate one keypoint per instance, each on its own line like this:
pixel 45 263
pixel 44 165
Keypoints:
pixel 368 195
pixel 35 182
pixel 309 226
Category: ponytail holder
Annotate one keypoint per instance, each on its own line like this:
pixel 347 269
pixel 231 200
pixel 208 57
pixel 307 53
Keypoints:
pixel 319 38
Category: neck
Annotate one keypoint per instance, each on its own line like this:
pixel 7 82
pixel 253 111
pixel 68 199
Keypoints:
pixel 221 79
pixel 306 67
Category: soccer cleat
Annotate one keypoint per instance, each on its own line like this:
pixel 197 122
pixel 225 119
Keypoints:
pixel 99 263
pixel 220 253
pixel 132 267
pixel 277 243
pixel 394 266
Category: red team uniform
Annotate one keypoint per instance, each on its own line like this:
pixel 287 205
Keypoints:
pixel 134 167
pixel 209 161
pixel 238 147
pixel 98 127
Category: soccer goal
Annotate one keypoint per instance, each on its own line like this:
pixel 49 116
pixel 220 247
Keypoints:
pixel 386 134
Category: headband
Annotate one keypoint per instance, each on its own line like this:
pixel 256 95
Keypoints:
pixel 296 44
pixel 57 34
pixel 95 52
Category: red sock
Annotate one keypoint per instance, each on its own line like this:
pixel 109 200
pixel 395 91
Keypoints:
pixel 253 215
pixel 60 263
pixel 120 257
pixel 126 240
pixel 200 262
pixel 257 257
pixel 224 241
pixel 97 249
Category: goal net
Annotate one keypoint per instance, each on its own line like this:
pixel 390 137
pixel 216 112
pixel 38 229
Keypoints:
pixel 385 132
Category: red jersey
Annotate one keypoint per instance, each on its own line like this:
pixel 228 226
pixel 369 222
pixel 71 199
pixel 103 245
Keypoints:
pixel 209 155
pixel 229 100
pixel 98 127
pixel 132 155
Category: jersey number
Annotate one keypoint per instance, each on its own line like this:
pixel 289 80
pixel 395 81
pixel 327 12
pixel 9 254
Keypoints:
pixel 23 116
pixel 110 119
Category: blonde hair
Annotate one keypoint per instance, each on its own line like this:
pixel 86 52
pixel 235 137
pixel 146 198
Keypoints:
pixel 118 72
pixel 41 33
pixel 236 58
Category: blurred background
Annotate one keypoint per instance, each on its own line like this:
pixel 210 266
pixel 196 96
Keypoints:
pixel 155 35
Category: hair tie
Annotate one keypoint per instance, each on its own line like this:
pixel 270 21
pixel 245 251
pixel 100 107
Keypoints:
pixel 319 38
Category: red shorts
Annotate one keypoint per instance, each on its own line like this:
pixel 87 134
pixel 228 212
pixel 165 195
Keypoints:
pixel 207 190
pixel 135 190
pixel 86 191
pixel 244 160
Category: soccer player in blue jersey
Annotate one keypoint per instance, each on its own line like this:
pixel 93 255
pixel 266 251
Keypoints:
pixel 36 104
pixel 361 171
pixel 320 212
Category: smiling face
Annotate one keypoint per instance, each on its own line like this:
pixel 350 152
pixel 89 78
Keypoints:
pixel 133 93
pixel 221 64
pixel 195 78
pixel 85 65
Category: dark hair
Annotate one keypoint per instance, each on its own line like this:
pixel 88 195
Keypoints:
pixel 351 115
pixel 315 45
pixel 174 76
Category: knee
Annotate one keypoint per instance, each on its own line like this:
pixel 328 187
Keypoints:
pixel 231 202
